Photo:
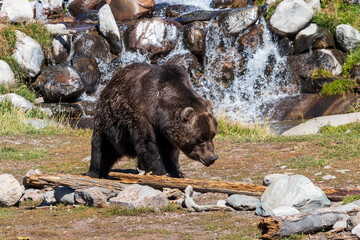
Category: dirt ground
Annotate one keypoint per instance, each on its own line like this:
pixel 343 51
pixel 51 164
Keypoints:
pixel 238 161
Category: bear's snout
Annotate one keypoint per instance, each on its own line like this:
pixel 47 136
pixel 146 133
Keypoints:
pixel 213 159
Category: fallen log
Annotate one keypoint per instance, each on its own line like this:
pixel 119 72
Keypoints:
pixel 308 222
pixel 72 181
pixel 160 182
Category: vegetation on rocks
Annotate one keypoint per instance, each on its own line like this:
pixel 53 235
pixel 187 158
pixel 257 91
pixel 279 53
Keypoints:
pixel 339 86
pixel 352 59
pixel 321 73
pixel 350 199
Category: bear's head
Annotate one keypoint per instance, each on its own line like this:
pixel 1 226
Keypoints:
pixel 197 133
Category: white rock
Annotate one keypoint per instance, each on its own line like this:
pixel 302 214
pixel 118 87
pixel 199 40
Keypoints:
pixel 340 224
pixel 109 29
pixel 221 203
pixel 336 71
pixel 328 177
pixel 313 126
pixel 290 17
pixel 356 231
pixel 17 10
pixel 7 75
pixel 10 190
pixel 308 31
pixel 52 5
pixel 347 37
pixel 314 4
pixel 55 29
pixel 242 202
pixel 284 211
pixel 28 54
pixel 17 101
pixel 32 195
pixel 270 178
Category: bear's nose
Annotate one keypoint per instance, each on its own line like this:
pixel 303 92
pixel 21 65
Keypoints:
pixel 213 159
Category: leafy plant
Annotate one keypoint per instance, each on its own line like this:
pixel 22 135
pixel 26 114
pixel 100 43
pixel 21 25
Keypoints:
pixel 340 86
pixel 352 59
pixel 350 199
pixel 321 73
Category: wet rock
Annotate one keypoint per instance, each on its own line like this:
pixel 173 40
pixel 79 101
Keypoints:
pixel 91 45
pixel 59 83
pixel 155 37
pixel 347 37
pixel 239 19
pixel 49 199
pixel 252 39
pixel 136 196
pixel 290 17
pixel 313 37
pixel 195 37
pixel 304 65
pixel 294 191
pixel 174 11
pixel 160 9
pixel 90 16
pixel 228 3
pixel 32 195
pixel 92 197
pixel 200 15
pixel 270 178
pixel 242 202
pixel 284 211
pixel 355 73
pixel 77 7
pixel 10 190
pixel 189 62
pixel 129 9
pixel 89 72
pixel 28 54
pixel 60 48
pixel 17 101
pixel 7 75
pixel 65 195
pixel 286 47
pixel 69 110
pixel 109 29
pixel 17 11
pixel 52 5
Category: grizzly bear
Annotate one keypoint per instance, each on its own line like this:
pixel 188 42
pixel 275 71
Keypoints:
pixel 151 112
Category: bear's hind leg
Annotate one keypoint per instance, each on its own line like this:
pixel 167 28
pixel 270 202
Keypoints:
pixel 103 156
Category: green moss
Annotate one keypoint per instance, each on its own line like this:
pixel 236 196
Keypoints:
pixel 260 2
pixel 350 199
pixel 321 73
pixel 340 86
pixel 352 59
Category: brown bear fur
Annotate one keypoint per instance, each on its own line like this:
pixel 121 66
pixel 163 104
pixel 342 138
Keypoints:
pixel 151 112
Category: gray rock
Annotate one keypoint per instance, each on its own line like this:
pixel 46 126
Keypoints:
pixel 284 211
pixel 347 37
pixel 270 178
pixel 136 196
pixel 32 195
pixel 52 5
pixel 109 29
pixel 221 203
pixel 290 17
pixel 28 54
pixel 356 231
pixel 10 190
pixel 314 4
pixel 49 199
pixel 7 75
pixel 92 197
pixel 41 123
pixel 17 11
pixel 352 222
pixel 17 101
pixel 340 224
pixel 294 191
pixel 242 202
pixel 200 15
pixel 65 195
pixel 328 177
pixel 240 19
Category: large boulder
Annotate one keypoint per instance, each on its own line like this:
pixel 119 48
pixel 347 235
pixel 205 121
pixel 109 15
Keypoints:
pixel 155 36
pixel 109 29
pixel 10 190
pixel 239 19
pixel 7 75
pixel 314 4
pixel 28 54
pixel 347 37
pixel 200 15
pixel 92 197
pixel 60 48
pixel 77 7
pixel 17 11
pixel 294 191
pixel 59 83
pixel 131 9
pixel 88 70
pixel 195 37
pixel 17 101
pixel 290 17
pixel 93 46
pixel 313 37
pixel 228 3
pixel 137 196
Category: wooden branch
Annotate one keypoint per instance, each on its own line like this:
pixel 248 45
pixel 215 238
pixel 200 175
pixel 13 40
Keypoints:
pixel 75 182
pixel 308 222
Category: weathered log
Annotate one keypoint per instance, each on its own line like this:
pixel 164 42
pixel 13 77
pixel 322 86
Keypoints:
pixel 75 182
pixel 308 222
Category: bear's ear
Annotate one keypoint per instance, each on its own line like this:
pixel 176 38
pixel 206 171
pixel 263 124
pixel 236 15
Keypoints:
pixel 187 114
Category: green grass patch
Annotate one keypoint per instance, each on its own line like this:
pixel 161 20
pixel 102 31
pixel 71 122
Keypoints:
pixel 14 154
pixel 171 207
pixel 347 128
pixel 340 86
pixel 19 89
pixel 308 161
pixel 321 73
pixel 350 199
pixel 272 9
pixel 123 211
pixel 352 59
